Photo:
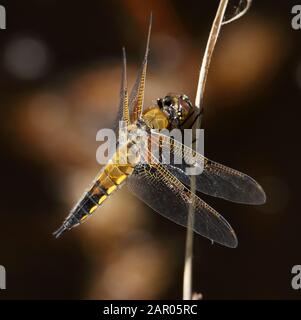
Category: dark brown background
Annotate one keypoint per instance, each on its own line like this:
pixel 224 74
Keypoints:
pixel 59 84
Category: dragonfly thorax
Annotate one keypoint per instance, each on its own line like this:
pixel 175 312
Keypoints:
pixel 155 118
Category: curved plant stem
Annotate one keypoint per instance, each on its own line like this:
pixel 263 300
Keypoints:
pixel 214 33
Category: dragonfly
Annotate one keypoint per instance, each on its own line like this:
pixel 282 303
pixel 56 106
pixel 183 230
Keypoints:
pixel 165 186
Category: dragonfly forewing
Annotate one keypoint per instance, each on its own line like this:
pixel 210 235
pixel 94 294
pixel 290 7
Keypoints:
pixel 216 179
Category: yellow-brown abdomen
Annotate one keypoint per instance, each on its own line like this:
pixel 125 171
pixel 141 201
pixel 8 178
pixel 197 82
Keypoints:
pixel 111 177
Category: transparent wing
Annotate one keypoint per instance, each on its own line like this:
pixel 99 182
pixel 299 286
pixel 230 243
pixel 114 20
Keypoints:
pixel 123 111
pixel 155 186
pixel 137 93
pixel 216 179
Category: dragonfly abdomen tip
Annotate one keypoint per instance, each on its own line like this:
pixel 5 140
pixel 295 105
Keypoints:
pixel 59 231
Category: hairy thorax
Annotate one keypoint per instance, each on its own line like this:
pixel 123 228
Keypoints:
pixel 155 118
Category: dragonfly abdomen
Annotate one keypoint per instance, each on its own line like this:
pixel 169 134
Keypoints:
pixel 108 181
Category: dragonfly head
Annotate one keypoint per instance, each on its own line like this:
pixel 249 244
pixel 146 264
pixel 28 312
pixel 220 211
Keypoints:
pixel 176 107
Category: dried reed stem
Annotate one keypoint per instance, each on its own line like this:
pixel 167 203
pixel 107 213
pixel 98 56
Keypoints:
pixel 214 33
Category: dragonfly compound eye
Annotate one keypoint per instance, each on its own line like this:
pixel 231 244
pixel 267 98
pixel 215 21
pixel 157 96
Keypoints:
pixel 167 101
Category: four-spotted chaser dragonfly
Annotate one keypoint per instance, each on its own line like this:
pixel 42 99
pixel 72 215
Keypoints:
pixel 165 187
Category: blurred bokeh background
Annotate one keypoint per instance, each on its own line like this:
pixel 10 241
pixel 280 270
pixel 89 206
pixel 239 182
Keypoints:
pixel 60 64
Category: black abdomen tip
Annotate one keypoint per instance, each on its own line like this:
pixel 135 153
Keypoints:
pixel 59 231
